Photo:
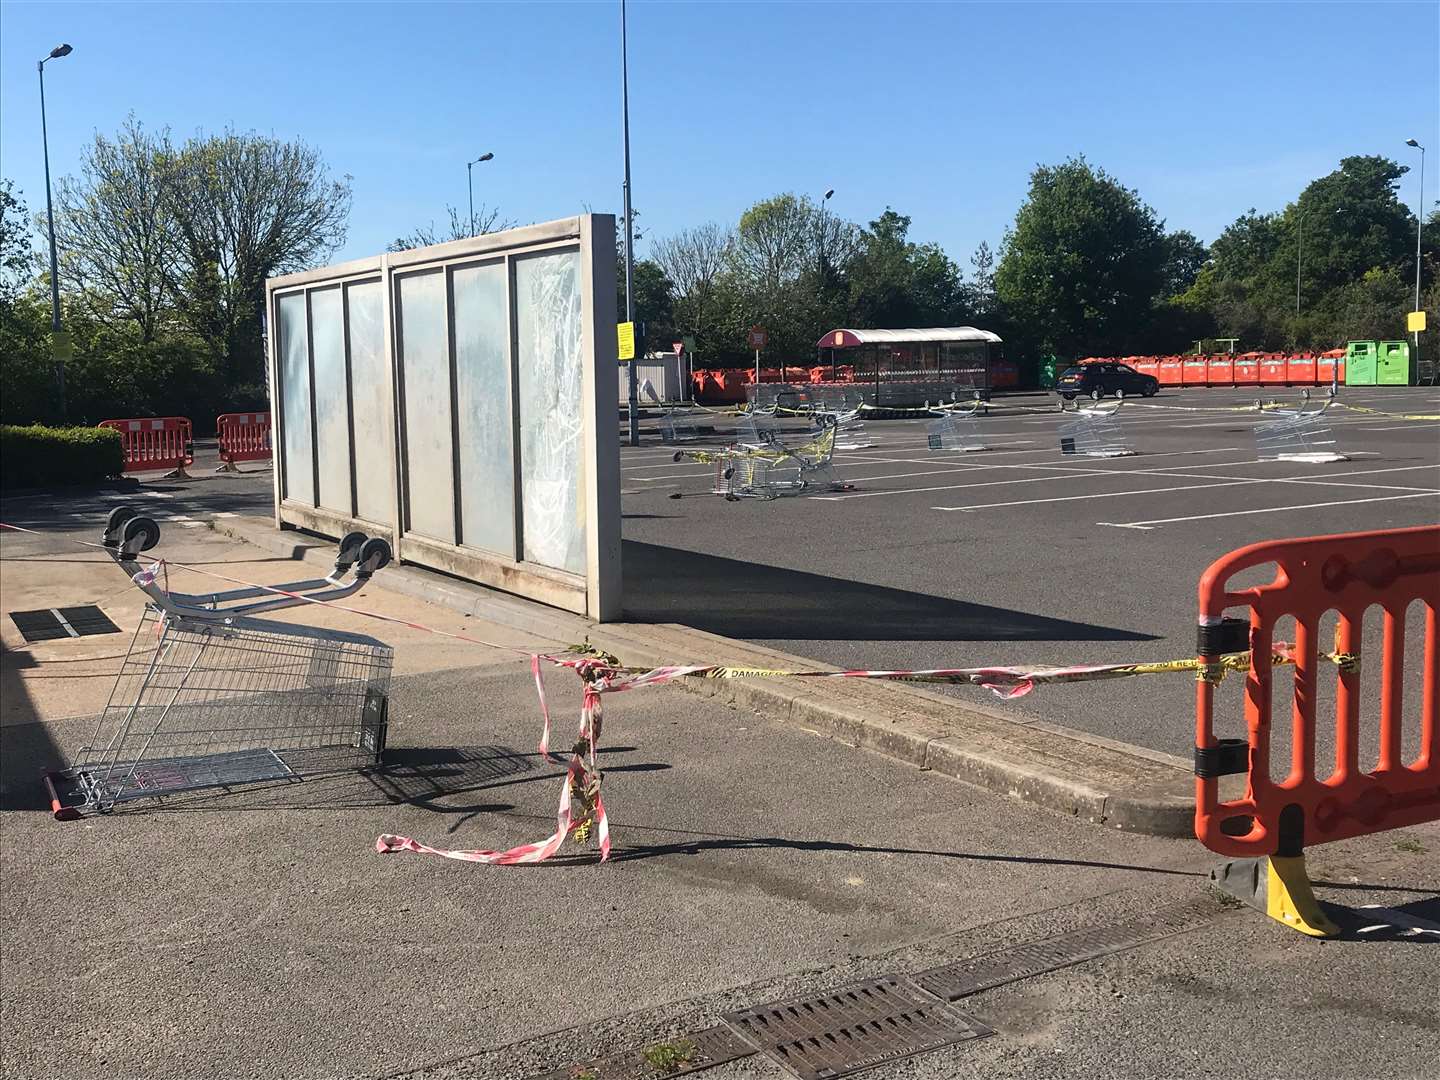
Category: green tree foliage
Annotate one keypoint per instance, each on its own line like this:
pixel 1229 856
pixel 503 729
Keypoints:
pixel 894 282
pixel 1083 264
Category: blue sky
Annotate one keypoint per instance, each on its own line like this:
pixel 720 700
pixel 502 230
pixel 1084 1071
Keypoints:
pixel 938 109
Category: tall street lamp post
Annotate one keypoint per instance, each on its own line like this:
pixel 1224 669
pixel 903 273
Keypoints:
pixel 1419 224
pixel 633 396
pixel 470 183
pixel 57 345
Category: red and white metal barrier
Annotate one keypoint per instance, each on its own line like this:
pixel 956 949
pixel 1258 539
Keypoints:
pixel 243 437
pixel 153 443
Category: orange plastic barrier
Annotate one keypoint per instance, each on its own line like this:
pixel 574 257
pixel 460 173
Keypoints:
pixel 243 437
pixel 1193 371
pixel 1171 372
pixel 151 443
pixel 1300 371
pixel 1272 371
pixel 1329 369
pixel 1220 371
pixel 1317 802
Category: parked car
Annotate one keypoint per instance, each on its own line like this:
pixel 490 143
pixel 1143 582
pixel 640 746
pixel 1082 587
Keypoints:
pixel 1097 380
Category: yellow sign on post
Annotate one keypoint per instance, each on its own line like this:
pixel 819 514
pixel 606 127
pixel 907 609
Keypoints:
pixel 1415 321
pixel 627 340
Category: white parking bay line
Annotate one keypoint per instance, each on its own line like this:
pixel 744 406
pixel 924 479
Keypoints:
pixel 1154 523
pixel 1101 495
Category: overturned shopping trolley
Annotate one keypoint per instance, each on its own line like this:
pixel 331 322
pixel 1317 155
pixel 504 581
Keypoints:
pixel 1095 431
pixel 678 426
pixel 1299 434
pixel 211 697
pixel 771 470
pixel 956 429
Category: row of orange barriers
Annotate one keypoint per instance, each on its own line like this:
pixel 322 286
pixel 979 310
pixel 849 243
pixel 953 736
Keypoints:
pixel 1247 369
pixel 728 384
pixel 1324 792
pixel 153 443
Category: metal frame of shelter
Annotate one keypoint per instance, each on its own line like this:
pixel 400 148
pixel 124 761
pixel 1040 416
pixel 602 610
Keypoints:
pixel 912 366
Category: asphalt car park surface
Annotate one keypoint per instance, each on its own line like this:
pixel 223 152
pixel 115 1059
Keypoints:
pixel 1021 555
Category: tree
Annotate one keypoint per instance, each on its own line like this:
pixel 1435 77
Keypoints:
pixel 1083 262
pixel 114 231
pixel 1185 257
pixel 245 207
pixel 896 283
pixel 487 220
pixel 775 243
pixel 16 254
pixel 979 294
pixel 694 260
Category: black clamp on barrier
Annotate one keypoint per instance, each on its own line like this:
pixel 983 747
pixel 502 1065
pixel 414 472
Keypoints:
pixel 1222 638
pixel 1226 757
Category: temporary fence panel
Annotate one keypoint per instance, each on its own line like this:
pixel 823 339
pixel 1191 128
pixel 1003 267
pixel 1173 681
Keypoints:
pixel 498 460
pixel 1300 370
pixel 1272 371
pixel 1095 432
pixel 1314 803
pixel 1220 371
pixel 1300 434
pixel 1194 371
pixel 1170 373
pixel 153 443
pixel 243 437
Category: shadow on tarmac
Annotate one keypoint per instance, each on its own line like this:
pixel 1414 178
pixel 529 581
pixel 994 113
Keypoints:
pixel 718 595
pixel 26 748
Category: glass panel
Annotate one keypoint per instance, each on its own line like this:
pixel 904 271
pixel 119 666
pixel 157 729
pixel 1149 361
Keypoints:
pixel 332 420
pixel 295 400
pixel 482 376
pixel 430 491
pixel 371 396
pixel 547 311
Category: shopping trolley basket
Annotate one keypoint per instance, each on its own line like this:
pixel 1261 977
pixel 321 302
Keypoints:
pixel 211 697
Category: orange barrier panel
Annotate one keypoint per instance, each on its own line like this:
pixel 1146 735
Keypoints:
pixel 242 437
pixel 1300 370
pixel 1148 366
pixel 151 443
pixel 1193 371
pixel 1317 802
pixel 1171 372
pixel 1220 371
pixel 1272 371
pixel 1329 369
pixel 1247 372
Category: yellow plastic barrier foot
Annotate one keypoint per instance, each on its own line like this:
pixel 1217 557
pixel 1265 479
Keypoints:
pixel 1279 887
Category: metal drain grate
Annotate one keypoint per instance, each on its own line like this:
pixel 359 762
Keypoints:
pixel 965 977
pixel 854 1028
pixel 53 624
pixel 713 1046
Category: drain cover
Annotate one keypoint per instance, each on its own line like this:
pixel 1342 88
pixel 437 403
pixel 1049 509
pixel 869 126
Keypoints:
pixel 965 977
pixel 713 1046
pixel 52 624
pixel 854 1028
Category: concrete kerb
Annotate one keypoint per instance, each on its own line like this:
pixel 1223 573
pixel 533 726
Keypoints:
pixel 1096 779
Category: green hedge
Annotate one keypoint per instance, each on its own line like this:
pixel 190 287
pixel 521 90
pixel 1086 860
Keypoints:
pixel 37 456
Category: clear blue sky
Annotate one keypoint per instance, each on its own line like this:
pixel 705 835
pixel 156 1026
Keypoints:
pixel 938 109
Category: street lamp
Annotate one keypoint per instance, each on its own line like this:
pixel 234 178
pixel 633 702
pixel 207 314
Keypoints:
pixel 1419 224
pixel 470 183
pixel 820 240
pixel 57 349
pixel 633 388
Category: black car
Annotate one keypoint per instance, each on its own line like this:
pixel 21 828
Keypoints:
pixel 1097 380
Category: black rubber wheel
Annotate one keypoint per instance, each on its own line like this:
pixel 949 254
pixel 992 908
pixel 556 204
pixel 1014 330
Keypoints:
pixel 728 473
pixel 1097 394
pixel 1119 395
pixel 378 548
pixel 678 456
pixel 143 527
pixel 351 545
pixel 118 517
pixel 1150 391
